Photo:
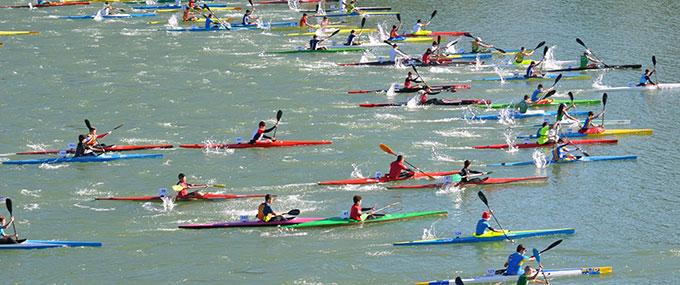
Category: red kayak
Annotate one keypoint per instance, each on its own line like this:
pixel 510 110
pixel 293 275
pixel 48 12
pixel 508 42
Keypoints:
pixel 112 148
pixel 257 144
pixel 48 4
pixel 185 198
pixel 250 224
pixel 386 179
pixel 413 90
pixel 485 181
pixel 444 102
pixel 530 145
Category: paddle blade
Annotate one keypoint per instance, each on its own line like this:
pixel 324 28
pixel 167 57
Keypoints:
pixel 571 97
pixel 654 60
pixel 434 13
pixel 545 50
pixel 363 22
pixel 399 17
pixel 501 50
pixel 483 198
pixel 539 45
pixel 552 92
pixel 386 148
pixel 279 114
pixel 219 185
pixel 468 35
pixel 294 212
pixel 334 33
pixel 579 41
pixel 554 244
pixel 251 2
pixel 459 281
pixel 8 202
pixel 557 79
pixel 118 127
pixel 87 123
pixel 538 256
pixel 177 188
pixel 456 178
pixel 439 39
pixel 604 100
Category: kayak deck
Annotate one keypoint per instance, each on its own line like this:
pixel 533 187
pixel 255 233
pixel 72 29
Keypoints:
pixel 550 274
pixel 385 178
pixel 338 221
pixel 40 244
pixel 531 145
pixel 277 143
pixel 293 221
pixel 487 181
pixel 581 159
pixel 490 237
pixel 205 197
pixel 112 148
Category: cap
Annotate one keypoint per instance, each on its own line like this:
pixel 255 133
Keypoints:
pixel 587 52
pixel 478 39
pixel 486 215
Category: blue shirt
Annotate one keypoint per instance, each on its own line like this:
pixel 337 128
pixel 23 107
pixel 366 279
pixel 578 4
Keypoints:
pixel 643 79
pixel 2 232
pixel 515 261
pixel 314 43
pixel 208 23
pixel 267 210
pixel 557 152
pixel 350 40
pixel 530 70
pixel 245 19
pixel 536 95
pixel 482 225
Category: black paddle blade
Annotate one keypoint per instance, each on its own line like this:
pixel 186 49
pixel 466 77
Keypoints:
pixel 399 17
pixel 251 2
pixel 8 202
pixel 579 41
pixel 434 13
pixel 279 114
pixel 557 79
pixel 334 33
pixel 205 6
pixel 87 123
pixel 363 22
pixel 459 281
pixel 501 50
pixel 468 35
pixel 540 45
pixel 552 92
pixel 294 212
pixel 483 198
pixel 118 127
pixel 604 100
pixel 439 39
pixel 571 96
pixel 654 60
pixel 545 50
pixel 554 244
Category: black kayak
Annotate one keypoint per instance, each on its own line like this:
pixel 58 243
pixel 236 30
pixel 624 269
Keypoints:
pixel 599 67
pixel 391 63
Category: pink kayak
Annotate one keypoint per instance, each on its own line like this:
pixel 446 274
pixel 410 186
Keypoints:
pixel 485 181
pixel 250 224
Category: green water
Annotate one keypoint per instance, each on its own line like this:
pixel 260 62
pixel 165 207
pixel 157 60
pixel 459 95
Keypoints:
pixel 187 88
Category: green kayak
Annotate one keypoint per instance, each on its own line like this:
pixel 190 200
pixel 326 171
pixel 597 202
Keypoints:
pixel 553 103
pixel 338 221
pixel 320 50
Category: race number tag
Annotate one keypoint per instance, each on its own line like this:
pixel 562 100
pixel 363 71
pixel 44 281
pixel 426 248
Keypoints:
pixel 516 74
pixel 311 30
pixel 569 67
pixel 630 84
pixel 239 140
pixel 163 192
pixel 71 146
pixel 396 85
pixel 378 175
pixel 380 59
pixel 332 7
pixel 344 215
pixel 526 140
pixel 299 48
pixel 244 218
pixel 570 130
pixel 457 234
pixel 62 153
pixel 461 50
pixel 448 179
pixel 491 272
pixel 546 119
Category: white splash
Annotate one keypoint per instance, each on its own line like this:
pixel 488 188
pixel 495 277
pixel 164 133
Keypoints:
pixel 510 139
pixel 540 159
pixel 34 193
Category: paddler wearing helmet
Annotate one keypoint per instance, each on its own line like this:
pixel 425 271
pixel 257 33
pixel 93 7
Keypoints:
pixel 586 59
pixel 483 225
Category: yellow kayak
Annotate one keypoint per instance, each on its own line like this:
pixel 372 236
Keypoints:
pixel 622 132
pixel 14 33
pixel 212 9
pixel 329 31
pixel 412 40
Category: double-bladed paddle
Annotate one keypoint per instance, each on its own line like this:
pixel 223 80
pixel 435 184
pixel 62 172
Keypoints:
pixel 473 37
pixel 418 73
pixel 8 202
pixel 364 216
pixel 579 41
pixel 387 149
pixel 458 177
pixel 486 202
pixel 538 260
pixel 656 78
pixel 554 244
pixel 279 114
pixel 604 105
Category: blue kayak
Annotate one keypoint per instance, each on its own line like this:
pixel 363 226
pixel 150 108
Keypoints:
pixel 173 6
pixel 484 52
pixel 39 244
pixel 103 157
pixel 490 236
pixel 220 29
pixel 359 14
pixel 272 24
pixel 517 115
pixel 110 16
pixel 524 78
pixel 581 159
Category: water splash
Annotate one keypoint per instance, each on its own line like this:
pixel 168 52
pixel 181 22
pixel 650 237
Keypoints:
pixel 430 233
pixel 98 16
pixel 506 116
pixel 172 22
pixel 597 83
pixel 294 5
pixel 510 139
pixel 356 172
pixel 390 92
pixel 500 73
pixel 540 159
pixel 168 203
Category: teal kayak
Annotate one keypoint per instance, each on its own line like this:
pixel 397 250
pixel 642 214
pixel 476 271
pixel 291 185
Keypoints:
pixel 319 50
pixel 518 115
pixel 338 221
pixel 580 159
pixel 490 236
pixel 547 104
pixel 40 244
pixel 103 157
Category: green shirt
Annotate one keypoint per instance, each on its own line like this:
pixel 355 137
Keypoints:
pixel 584 61
pixel 523 280
pixel 523 106
pixel 543 135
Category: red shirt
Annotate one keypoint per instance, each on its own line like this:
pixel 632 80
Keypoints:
pixel 184 191
pixel 355 213
pixel 395 169
pixel 408 83
pixel 393 33
pixel 423 98
pixel 303 22
pixel 426 58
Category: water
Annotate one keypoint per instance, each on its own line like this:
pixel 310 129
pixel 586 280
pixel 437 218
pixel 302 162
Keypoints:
pixel 186 88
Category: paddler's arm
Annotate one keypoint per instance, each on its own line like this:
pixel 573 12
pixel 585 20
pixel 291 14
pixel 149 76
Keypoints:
pixel 600 114
pixel 271 129
pixel 103 135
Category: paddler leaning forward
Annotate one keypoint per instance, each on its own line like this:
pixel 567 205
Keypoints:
pixel 396 168
pixel 84 149
pixel 182 186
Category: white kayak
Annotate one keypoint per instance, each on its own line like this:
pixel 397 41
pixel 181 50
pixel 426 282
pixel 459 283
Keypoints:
pixel 631 86
pixel 364 45
pixel 549 273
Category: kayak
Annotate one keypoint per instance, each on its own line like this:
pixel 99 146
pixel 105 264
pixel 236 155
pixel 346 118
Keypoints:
pixel 47 5
pixel 507 51
pixel 110 16
pixel 631 86
pixel 283 1
pixel 319 50
pixel 360 8
pixel 111 148
pixel 219 29
pixel 550 273
pixel 363 14
pixel 445 102
pixel 483 182
pixel 338 221
pixel 571 122
pixel 363 45
pixel 517 115
pixel 424 33
pixel 599 67
pixel 191 22
pixel 412 40
pixel 544 103
pixel 463 56
pixel 580 159
pixel 330 31
pixel 173 6
pixel 103 157
pixel 14 33
pixel 386 179
pixel 39 244
pixel 531 145
pixel 185 198
pixel 595 132
pixel 524 78
pixel 212 9
pixel 408 63
pixel 293 221
pixel 277 143
pixel 490 236
pixel 450 87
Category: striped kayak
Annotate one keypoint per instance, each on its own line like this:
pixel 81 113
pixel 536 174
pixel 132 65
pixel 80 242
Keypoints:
pixel 319 50
pixel 100 158
pixel 493 52
pixel 386 179
pixel 47 5
pixel 14 33
pixel 596 132
pixel 517 115
pixel 111 148
pixel 173 6
pixel 40 244
pixel 110 16
pixel 487 181
pixel 543 103
pixel 409 63
pixel 205 197
pixel 465 56
pixel 212 9
pixel 330 31
pixel 363 14
pixel 413 40
pixel 532 145
pixel 360 8
pixel 580 159
pixel 293 221
pixel 445 102
pixel 599 67
pixel 524 78
pixel 338 221
pixel 550 274
pixel 220 29
pixel 490 236
pixel 190 22
pixel 632 86
pixel 363 45
pixel 425 33
pixel 277 143
pixel 450 87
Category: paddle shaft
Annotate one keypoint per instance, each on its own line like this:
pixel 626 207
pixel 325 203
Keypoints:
pixel 8 203
pixel 486 202
pixel 279 114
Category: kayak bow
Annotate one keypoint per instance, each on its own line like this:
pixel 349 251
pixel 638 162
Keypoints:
pixel 532 145
pixel 487 181
pixel 550 273
pixel 100 158
pixel 581 159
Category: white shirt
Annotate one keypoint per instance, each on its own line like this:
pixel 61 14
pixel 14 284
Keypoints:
pixel 417 27
pixel 393 54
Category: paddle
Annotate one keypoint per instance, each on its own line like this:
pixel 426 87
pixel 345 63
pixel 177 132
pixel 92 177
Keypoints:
pixel 399 18
pixel 180 188
pixel 486 202
pixel 550 93
pixel 579 41
pixel 8 202
pixel 458 177
pixel 333 34
pixel 554 244
pixel 293 212
pixel 363 22
pixel 473 37
pixel 218 19
pixel 539 45
pixel 278 119
pixel 656 78
pixel 364 216
pixel 399 51
pixel 434 13
pixel 604 105
pixel 538 260
pixel 421 78
pixel 459 281
pixel 387 149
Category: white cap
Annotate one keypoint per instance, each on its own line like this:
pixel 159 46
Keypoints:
pixel 478 39
pixel 587 52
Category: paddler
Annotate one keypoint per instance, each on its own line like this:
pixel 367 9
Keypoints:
pixel 519 57
pixel 423 94
pixel 434 47
pixel 466 173
pixel 586 59
pixel 248 16
pixel 352 38
pixel 408 83
pixel 84 149
pixel 192 5
pixel 527 277
pixel 478 45
pixel 394 33
pixel 426 59
pixel 523 105
pixel 108 10
pixel 325 22
pixel 418 27
pixel 515 260
pixel 396 168
pixel 4 237
pixel 187 15
pixel 543 135
pixel 265 212
pixel 183 186
pixel 561 153
pixel 588 123
pixel 646 79
pixel 259 134
pixel 92 137
pixel 356 210
pixel 536 96
pixel 210 22
pixel 531 72
pixel 483 225
pixel 396 53
pixel 351 7
pixel 303 21
pixel 314 43
pixel 561 113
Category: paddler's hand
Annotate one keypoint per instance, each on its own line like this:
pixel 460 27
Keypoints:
pixel 483 173
pixel 373 208
pixel 108 133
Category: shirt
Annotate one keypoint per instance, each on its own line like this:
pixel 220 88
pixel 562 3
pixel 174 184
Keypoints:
pixel 515 261
pixel 482 225
pixel 395 169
